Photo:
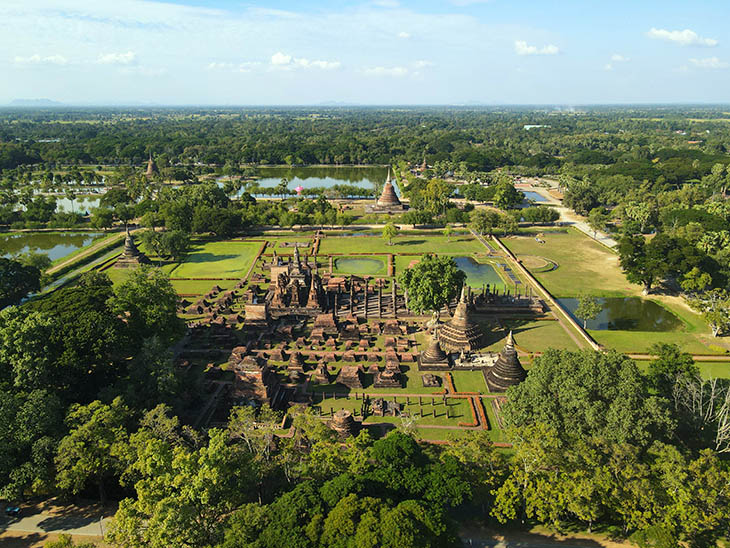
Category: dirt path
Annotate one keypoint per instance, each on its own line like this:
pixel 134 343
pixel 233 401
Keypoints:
pixel 568 216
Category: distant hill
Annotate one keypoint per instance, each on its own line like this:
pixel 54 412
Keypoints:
pixel 34 103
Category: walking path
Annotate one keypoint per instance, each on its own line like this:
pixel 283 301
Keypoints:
pixel 569 217
pixel 72 521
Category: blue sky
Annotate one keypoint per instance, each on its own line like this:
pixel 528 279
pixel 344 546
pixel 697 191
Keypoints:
pixel 366 52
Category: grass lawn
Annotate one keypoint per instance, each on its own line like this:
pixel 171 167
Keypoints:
pixel 361 265
pixel 469 381
pixel 586 266
pixel 583 264
pixel 456 245
pixel 718 370
pixel 216 260
pixel 530 335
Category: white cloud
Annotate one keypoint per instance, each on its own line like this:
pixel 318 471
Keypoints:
pixel 215 65
pixel 283 61
pixel 608 66
pixel 404 35
pixel 464 3
pixel 522 48
pixel 247 66
pixel 422 63
pixel 709 63
pixel 280 59
pixel 386 3
pixel 618 58
pixel 40 60
pixel 127 58
pixel 684 37
pixel 387 71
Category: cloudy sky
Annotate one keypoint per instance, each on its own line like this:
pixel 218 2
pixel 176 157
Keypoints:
pixel 367 51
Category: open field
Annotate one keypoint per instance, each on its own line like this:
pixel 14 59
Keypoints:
pixel 230 259
pixel 455 245
pixel 583 264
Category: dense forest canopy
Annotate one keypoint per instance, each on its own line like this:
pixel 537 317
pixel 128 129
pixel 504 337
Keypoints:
pixel 628 139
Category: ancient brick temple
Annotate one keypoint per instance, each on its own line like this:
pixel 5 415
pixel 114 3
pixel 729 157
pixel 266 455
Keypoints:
pixel 460 334
pixel 434 358
pixel 507 370
pixel 295 287
pixel 388 201
pixel 131 257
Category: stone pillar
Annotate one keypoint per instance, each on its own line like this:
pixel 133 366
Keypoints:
pixel 352 295
pixel 366 298
pixel 380 298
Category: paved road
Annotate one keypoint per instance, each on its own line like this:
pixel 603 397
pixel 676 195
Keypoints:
pixel 42 522
pixel 490 543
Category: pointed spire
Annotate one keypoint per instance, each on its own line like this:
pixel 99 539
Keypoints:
pixel 387 179
pixel 297 259
pixel 462 297
pixel 510 341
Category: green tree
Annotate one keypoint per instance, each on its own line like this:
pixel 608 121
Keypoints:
pixel 588 308
pixel 183 495
pixel 16 281
pixel 643 263
pixel 448 232
pixel 148 302
pixel 598 219
pixel 484 220
pixel 715 308
pixel 432 283
pixel 593 394
pixel 102 218
pixel 507 196
pixel 390 231
pixel 91 450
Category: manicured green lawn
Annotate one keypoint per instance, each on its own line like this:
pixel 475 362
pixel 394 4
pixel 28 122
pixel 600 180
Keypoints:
pixel 469 381
pixel 217 260
pixel 531 335
pixel 718 370
pixel 456 245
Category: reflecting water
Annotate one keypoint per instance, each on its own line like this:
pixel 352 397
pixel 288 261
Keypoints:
pixel 478 274
pixel 325 177
pixel 628 314
pixel 534 196
pixel 54 244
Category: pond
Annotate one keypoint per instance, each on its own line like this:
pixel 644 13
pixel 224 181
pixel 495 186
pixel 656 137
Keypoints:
pixel 360 265
pixel 54 244
pixel 534 197
pixel 478 274
pixel 628 314
pixel 312 177
pixel 80 205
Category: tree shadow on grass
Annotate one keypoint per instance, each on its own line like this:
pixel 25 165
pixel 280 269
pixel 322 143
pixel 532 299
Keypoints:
pixel 397 243
pixel 208 257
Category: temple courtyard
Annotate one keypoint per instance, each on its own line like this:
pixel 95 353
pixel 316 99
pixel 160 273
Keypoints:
pixel 318 319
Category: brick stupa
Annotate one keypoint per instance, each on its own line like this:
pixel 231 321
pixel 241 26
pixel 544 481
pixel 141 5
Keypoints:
pixel 507 370
pixel 131 257
pixel 151 167
pixel 388 201
pixel 460 334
